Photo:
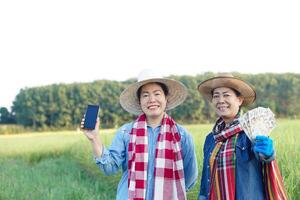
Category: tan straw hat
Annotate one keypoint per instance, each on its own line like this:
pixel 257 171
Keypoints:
pixel 227 80
pixel 130 102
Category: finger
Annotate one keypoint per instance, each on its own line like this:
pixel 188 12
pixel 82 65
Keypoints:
pixel 81 123
pixel 261 137
pixel 262 143
pixel 98 122
pixel 259 150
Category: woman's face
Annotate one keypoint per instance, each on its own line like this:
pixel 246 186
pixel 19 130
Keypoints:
pixel 153 100
pixel 226 103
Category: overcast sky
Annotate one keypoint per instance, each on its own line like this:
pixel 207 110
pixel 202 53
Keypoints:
pixel 59 41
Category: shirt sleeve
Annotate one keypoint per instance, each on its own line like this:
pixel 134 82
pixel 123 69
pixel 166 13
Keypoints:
pixel 189 159
pixel 113 157
pixel 204 177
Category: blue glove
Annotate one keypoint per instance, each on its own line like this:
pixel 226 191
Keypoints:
pixel 263 145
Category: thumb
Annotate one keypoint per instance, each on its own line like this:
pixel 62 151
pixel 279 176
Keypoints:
pixel 97 123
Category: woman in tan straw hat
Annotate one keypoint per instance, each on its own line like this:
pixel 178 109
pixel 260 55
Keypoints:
pixel 156 154
pixel 233 165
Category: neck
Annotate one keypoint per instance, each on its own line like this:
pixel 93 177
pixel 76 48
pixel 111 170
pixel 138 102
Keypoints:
pixel 154 122
pixel 227 120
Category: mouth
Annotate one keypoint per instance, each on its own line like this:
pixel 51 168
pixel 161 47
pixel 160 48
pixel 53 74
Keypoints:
pixel 152 107
pixel 222 108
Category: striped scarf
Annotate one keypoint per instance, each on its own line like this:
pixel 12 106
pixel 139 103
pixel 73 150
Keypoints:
pixel 223 161
pixel 273 182
pixel 168 171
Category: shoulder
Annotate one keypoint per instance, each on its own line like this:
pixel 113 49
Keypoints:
pixel 209 142
pixel 182 130
pixel 209 137
pixel 124 130
pixel 185 136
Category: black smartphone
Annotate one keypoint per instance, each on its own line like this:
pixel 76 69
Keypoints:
pixel 90 118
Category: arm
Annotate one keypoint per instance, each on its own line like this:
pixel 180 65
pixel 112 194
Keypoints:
pixel 204 184
pixel 93 137
pixel 202 193
pixel 189 159
pixel 108 160
pixel 113 157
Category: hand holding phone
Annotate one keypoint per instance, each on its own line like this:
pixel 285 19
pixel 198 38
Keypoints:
pixel 90 130
pixel 90 118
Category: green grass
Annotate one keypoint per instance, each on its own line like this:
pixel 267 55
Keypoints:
pixel 59 165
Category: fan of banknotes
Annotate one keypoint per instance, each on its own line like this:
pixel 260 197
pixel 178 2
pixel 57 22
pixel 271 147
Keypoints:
pixel 258 121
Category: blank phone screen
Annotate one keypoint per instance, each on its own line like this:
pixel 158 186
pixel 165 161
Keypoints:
pixel 91 116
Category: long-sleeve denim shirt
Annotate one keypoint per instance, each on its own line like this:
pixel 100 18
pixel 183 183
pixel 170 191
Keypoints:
pixel 116 156
pixel 249 178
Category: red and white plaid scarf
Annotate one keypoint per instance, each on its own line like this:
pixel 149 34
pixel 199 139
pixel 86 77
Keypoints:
pixel 168 171
pixel 223 160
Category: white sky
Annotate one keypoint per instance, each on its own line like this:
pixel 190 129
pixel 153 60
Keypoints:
pixel 60 41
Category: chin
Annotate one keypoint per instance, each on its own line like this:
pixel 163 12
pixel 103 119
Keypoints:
pixel 154 114
pixel 224 115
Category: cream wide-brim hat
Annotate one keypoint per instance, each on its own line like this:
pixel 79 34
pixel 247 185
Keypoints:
pixel 130 102
pixel 227 80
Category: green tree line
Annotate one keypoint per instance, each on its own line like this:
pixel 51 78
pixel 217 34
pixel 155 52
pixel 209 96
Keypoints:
pixel 63 105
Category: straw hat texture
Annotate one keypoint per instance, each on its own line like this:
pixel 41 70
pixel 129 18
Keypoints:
pixel 130 102
pixel 227 80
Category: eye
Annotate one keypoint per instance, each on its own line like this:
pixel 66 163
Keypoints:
pixel 157 93
pixel 145 95
pixel 215 96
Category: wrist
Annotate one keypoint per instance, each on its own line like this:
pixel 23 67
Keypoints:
pixel 95 141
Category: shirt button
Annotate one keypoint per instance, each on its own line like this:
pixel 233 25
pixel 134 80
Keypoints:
pixel 207 166
pixel 207 180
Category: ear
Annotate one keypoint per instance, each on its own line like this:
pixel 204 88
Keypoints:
pixel 167 98
pixel 241 100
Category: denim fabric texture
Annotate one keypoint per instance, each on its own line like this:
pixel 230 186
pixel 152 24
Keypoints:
pixel 249 180
pixel 116 156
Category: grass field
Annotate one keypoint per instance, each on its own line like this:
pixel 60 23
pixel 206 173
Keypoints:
pixel 59 165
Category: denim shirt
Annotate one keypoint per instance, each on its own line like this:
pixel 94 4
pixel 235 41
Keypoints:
pixel 117 156
pixel 249 178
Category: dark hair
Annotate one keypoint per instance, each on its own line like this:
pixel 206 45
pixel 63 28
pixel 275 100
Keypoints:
pixel 237 93
pixel 163 87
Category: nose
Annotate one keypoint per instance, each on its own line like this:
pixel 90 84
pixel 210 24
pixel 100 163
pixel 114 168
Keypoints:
pixel 220 99
pixel 151 98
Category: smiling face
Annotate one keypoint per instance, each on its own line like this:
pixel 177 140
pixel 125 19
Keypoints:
pixel 226 103
pixel 153 101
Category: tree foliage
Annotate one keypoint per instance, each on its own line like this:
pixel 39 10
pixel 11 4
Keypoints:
pixel 63 105
pixel 6 117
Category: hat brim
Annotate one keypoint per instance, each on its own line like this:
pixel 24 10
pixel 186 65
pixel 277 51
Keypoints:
pixel 130 102
pixel 206 88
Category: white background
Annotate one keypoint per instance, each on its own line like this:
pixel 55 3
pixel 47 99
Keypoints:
pixel 60 41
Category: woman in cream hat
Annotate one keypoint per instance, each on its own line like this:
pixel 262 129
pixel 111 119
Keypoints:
pixel 156 154
pixel 232 165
